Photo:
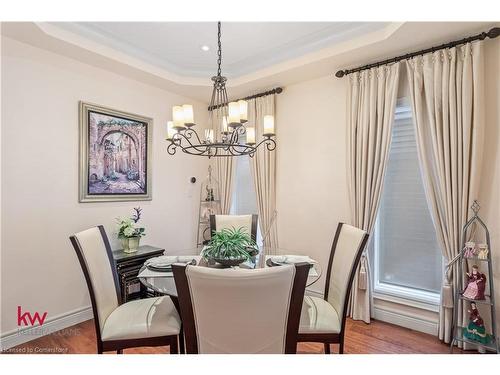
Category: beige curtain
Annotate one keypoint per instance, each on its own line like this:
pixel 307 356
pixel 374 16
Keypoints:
pixel 372 98
pixel 224 169
pixel 263 166
pixel 447 98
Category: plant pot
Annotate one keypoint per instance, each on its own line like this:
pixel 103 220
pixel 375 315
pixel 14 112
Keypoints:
pixel 130 244
pixel 228 262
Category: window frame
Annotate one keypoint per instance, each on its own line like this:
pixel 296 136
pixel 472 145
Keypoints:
pixel 400 294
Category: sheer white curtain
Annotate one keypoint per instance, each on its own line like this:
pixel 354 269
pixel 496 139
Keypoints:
pixel 447 99
pixel 263 166
pixel 371 105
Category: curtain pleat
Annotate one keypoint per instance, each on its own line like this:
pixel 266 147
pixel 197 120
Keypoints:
pixel 447 99
pixel 263 166
pixel 372 98
pixel 224 170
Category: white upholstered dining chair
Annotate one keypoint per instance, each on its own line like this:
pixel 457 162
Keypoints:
pixel 240 311
pixel 247 222
pixel 323 320
pixel 146 322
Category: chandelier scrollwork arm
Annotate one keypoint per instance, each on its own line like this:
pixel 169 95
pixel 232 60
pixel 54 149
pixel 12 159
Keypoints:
pixel 188 133
pixel 269 142
pixel 176 141
pixel 171 148
pixel 237 133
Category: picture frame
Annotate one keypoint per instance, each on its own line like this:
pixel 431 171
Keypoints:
pixel 115 155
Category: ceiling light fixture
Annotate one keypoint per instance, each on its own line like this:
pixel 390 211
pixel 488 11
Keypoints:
pixel 225 135
pixel 205 48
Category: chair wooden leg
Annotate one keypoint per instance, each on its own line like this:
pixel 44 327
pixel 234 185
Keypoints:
pixel 341 347
pixel 119 351
pixel 173 345
pixel 327 348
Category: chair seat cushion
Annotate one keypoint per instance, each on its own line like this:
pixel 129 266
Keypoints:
pixel 150 317
pixel 318 316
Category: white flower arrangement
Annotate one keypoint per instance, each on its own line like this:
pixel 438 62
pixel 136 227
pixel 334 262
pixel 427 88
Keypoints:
pixel 127 226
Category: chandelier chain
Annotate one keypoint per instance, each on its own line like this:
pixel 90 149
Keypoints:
pixel 219 50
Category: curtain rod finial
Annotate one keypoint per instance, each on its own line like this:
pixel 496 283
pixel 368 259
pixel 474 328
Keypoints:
pixel 339 74
pixel 493 33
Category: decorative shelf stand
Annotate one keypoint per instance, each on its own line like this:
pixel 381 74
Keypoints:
pixel 210 204
pixel 464 264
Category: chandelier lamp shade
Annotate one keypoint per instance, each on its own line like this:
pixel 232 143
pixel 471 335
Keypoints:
pixel 228 134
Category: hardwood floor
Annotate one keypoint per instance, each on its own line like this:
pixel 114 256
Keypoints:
pixel 377 337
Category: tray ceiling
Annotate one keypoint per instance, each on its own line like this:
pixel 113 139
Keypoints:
pixel 257 56
pixel 247 46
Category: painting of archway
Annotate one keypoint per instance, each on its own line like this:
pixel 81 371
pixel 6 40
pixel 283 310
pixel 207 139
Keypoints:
pixel 115 155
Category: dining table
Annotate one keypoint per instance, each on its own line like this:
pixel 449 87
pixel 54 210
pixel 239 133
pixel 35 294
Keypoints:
pixel 163 282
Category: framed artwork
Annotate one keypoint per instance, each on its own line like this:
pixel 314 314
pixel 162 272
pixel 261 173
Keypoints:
pixel 115 155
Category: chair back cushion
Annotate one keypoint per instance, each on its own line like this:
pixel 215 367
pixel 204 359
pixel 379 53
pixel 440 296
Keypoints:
pixel 92 247
pixel 348 245
pixel 233 221
pixel 238 310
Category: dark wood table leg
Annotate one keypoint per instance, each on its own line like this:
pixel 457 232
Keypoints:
pixel 182 349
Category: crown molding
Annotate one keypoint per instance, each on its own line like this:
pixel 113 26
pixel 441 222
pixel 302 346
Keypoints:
pixel 117 55
pixel 395 38
pixel 178 76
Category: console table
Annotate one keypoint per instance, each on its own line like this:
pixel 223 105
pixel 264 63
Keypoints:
pixel 128 266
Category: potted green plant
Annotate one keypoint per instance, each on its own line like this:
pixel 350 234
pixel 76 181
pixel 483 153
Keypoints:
pixel 130 234
pixel 230 247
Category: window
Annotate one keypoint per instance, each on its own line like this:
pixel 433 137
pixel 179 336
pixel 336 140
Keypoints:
pixel 244 201
pixel 408 261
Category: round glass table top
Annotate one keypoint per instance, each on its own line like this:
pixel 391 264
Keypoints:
pixel 164 282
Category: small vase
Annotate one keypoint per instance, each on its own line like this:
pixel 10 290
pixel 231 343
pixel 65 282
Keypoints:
pixel 130 244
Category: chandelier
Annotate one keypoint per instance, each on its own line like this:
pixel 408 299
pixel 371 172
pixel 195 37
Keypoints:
pixel 228 135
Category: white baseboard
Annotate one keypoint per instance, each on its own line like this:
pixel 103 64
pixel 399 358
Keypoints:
pixel 20 336
pixel 396 317
pixel 400 319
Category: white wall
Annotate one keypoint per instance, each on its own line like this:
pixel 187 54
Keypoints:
pixel 311 167
pixel 40 209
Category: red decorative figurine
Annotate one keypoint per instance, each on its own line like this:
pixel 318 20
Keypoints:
pixel 476 284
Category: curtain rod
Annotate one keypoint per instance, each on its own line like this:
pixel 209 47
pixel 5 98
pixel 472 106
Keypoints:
pixel 493 33
pixel 276 90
